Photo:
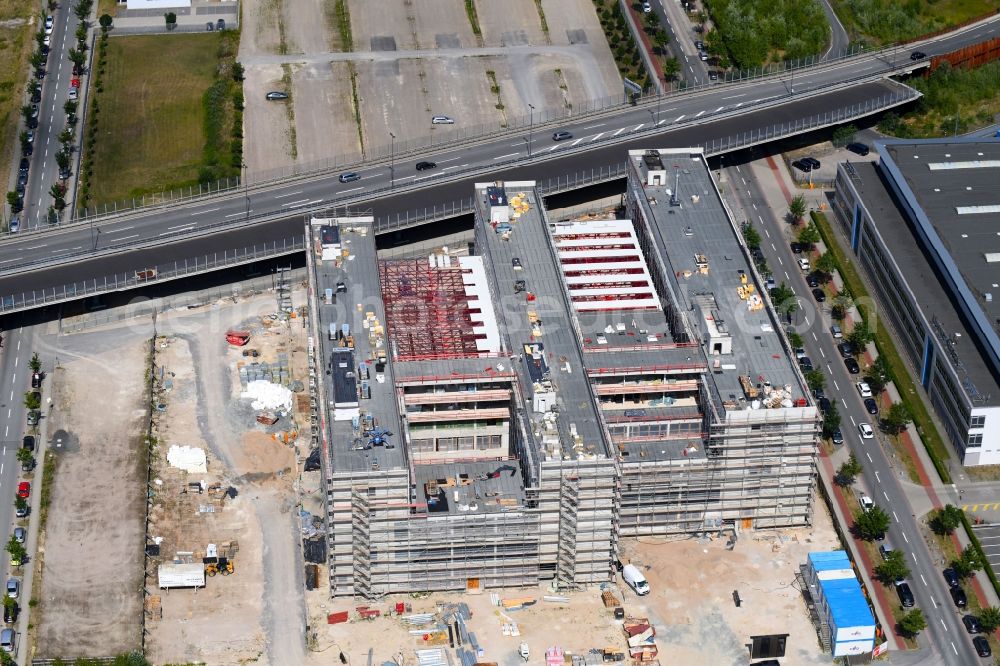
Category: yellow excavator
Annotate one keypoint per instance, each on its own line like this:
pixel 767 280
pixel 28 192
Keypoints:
pixel 219 565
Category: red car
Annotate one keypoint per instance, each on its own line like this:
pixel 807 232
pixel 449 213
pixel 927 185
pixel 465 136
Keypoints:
pixel 24 489
pixel 74 83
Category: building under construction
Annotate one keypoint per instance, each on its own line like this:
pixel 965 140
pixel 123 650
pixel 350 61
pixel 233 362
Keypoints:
pixel 504 418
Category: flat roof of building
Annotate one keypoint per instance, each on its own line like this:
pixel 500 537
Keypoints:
pixel 349 271
pixel 537 320
pixel 928 293
pixel 487 486
pixel 955 185
pixel 704 252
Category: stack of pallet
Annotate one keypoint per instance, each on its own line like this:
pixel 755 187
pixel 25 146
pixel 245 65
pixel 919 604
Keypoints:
pixel 641 644
pixel 610 600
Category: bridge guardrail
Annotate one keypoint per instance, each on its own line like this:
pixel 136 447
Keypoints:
pixel 155 274
pixel 550 186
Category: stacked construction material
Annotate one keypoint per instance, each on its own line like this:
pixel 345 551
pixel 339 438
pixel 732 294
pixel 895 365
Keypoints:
pixel 641 644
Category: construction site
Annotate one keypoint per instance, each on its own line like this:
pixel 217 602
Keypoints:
pixel 504 419
pixel 230 410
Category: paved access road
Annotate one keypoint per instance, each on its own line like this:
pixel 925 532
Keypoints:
pixel 44 172
pixel 945 637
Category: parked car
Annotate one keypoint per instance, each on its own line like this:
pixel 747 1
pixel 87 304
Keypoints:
pixel 7 636
pixel 350 177
pixel 561 135
pixel 858 148
pixel 951 577
pixel 11 612
pixel 845 349
pixel 837 437
pixel 15 224
pixel 958 596
pixel 442 120
pixel 24 489
pixel 871 406
pixel 31 136
pixel 836 331
pixel 73 93
pixel 866 431
pixel 824 405
pixel 982 646
pixel 702 56
pixel 424 166
pixel 34 110
pixel 21 511
pixel 802 166
pixel 28 443
pixel 13 587
pixel 803 264
pixel 646 7
pixel 864 390
pixel 713 75
pixel 806 364
pixel 812 280
pixel 866 503
pixel 276 95
pixel 819 295
pixel 796 247
pixel 27 466
pixel 24 165
pixel 48 24
pixel 885 550
pixel 971 624
pixel 905 595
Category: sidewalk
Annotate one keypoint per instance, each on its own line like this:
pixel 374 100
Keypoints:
pixel 779 189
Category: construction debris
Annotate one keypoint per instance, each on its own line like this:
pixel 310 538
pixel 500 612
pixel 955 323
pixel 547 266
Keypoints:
pixel 267 396
pixel 191 459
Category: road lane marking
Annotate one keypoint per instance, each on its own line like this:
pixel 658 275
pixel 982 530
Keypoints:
pixel 127 237
pixel 923 579
pixel 351 190
pixel 638 127
pixel 904 537
pixel 700 114
pixel 171 233
pixel 576 142
pixel 595 126
pixel 301 201
pixel 619 131
pixel 886 496
pixel 598 136
pixel 735 96
pixel 118 231
pixel 871 461
pixel 953 648
pixel 877 477
pixel 853 422
pixel 290 194
pixel 202 212
pixel 7 261
pixel 506 156
pixel 895 516
pixel 450 159
pixel 237 214
pixel 187 224
pixel 299 205
pixel 943 624
pixel 678 118
pixel 718 109
pixel 838 388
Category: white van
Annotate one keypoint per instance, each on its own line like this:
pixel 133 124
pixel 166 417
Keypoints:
pixel 635 579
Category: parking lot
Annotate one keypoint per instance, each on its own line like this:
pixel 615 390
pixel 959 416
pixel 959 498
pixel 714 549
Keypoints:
pixel 989 537
pixel 427 60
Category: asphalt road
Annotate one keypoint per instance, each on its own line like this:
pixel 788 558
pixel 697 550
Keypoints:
pixel 674 17
pixel 44 171
pixel 945 637
pixel 715 112
pixel 839 40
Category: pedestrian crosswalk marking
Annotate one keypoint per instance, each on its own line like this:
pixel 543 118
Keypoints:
pixel 985 507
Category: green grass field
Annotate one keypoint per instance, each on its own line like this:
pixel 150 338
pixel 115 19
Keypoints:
pixel 878 22
pixel 151 131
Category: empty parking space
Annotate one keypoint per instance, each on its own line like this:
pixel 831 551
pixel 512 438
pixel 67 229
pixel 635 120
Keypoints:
pixel 989 537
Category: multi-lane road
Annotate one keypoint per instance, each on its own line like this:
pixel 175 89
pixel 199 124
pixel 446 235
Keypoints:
pixel 73 253
pixel 946 639
pixel 44 171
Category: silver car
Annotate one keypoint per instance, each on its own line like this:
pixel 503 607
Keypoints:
pixel 13 587
pixel 442 120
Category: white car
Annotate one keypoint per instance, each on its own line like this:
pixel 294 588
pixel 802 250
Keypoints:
pixel 72 93
pixel 864 390
pixel 866 431
pixel 803 264
pixel 48 25
pixel 47 41
pixel 866 503
pixel 442 120
pixel 646 7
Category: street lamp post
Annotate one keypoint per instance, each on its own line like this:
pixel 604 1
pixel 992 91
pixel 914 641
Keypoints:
pixel 392 161
pixel 246 187
pixel 531 125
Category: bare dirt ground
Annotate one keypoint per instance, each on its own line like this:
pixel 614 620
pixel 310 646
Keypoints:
pixel 325 126
pixel 257 614
pixel 90 600
pixel 692 583
pixel 578 626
